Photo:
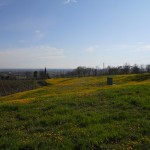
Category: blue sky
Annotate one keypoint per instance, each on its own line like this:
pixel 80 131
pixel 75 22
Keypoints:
pixel 71 33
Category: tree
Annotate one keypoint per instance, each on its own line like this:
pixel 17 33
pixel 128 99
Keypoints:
pixel 45 72
pixel 80 71
pixel 148 68
pixel 112 70
pixel 126 69
pixel 135 69
pixel 35 74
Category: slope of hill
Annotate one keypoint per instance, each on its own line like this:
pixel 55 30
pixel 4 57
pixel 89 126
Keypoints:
pixel 79 113
pixel 8 87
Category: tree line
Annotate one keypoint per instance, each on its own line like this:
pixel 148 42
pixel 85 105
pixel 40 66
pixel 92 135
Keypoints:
pixel 83 71
pixel 80 71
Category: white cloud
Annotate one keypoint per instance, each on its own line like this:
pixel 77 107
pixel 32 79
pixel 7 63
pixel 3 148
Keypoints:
pixel 40 34
pixel 70 1
pixel 140 46
pixel 91 48
pixel 30 57
pixel 145 47
pixel 116 48
pixel 121 46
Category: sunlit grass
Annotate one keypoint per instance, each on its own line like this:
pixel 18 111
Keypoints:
pixel 79 113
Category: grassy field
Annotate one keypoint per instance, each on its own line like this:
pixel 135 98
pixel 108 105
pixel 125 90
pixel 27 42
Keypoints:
pixel 79 114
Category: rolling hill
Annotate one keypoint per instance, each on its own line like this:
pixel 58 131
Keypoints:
pixel 79 113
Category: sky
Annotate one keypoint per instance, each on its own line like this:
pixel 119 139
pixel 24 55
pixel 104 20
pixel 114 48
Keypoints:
pixel 72 33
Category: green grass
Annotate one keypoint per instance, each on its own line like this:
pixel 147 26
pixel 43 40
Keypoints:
pixel 79 113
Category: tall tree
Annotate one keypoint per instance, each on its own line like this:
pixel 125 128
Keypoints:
pixel 45 71
pixel 35 74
